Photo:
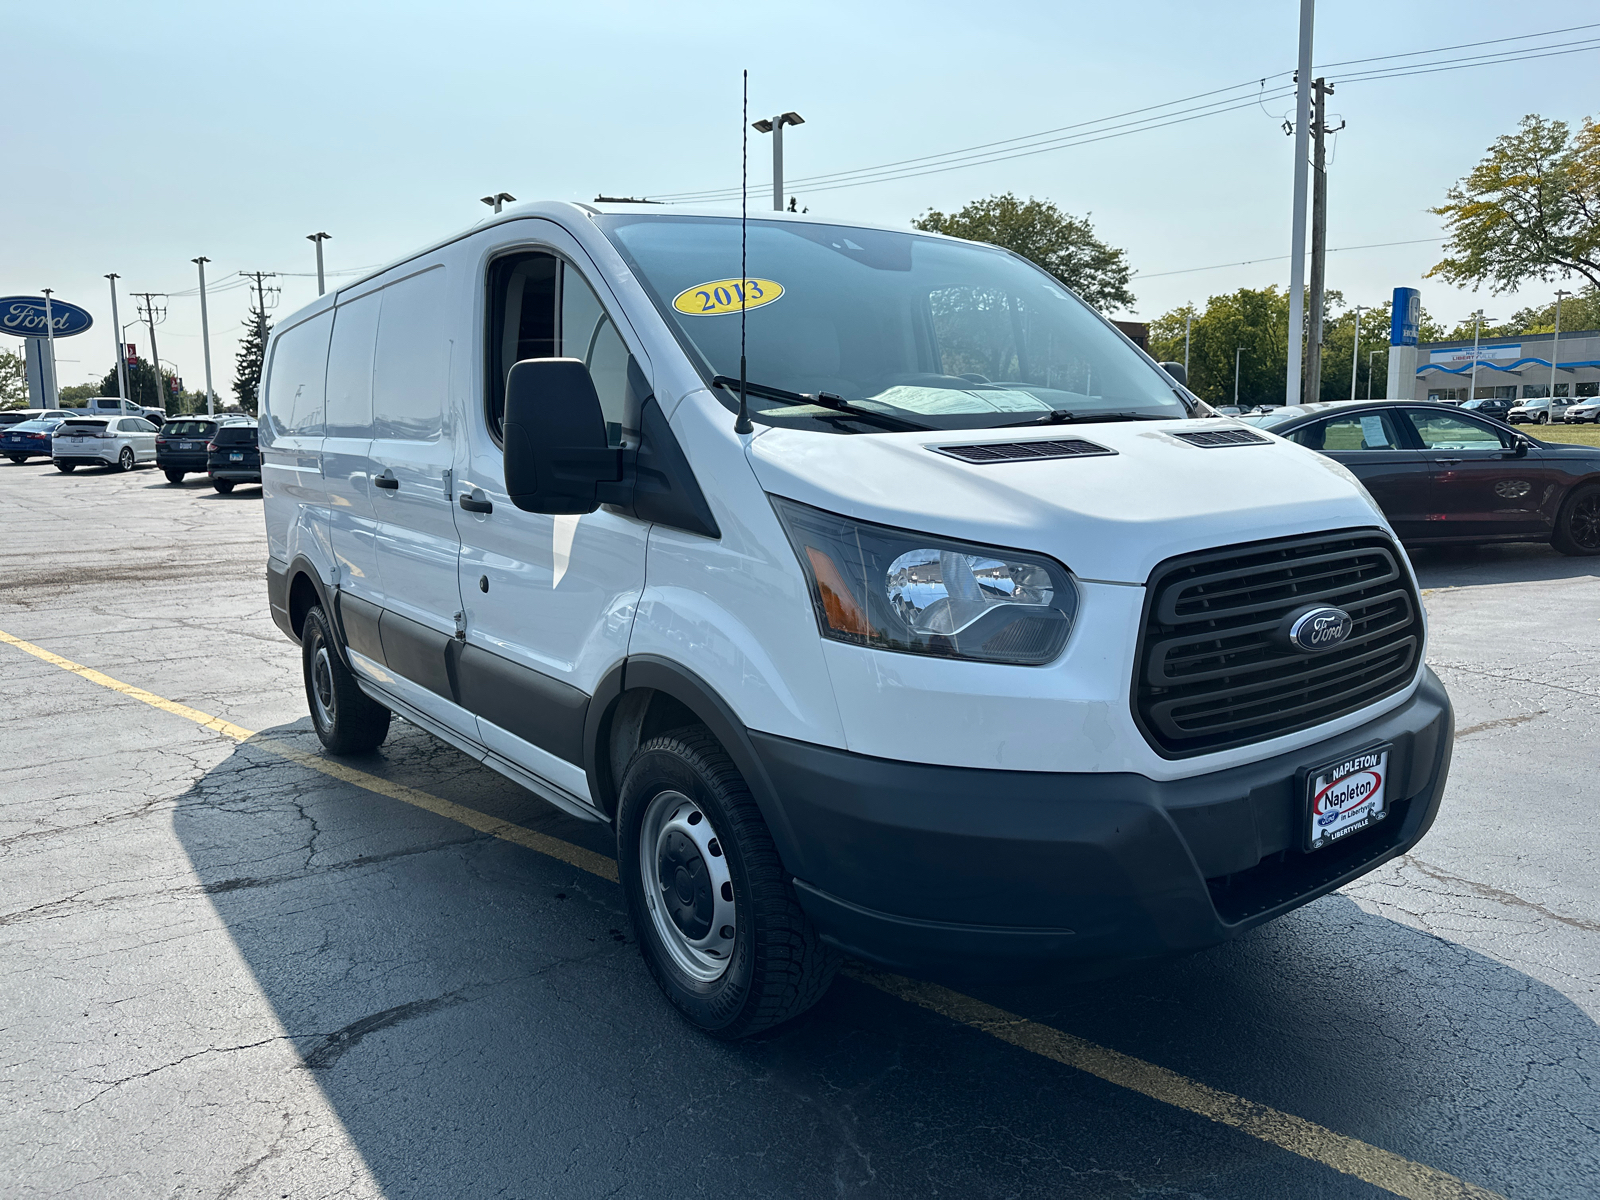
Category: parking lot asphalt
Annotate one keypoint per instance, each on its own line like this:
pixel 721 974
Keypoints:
pixel 231 967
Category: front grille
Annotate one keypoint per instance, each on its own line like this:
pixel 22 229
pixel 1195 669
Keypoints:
pixel 990 452
pixel 1210 674
pixel 1213 438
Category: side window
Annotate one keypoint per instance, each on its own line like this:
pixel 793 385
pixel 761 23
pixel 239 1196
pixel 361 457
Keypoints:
pixel 1441 432
pixel 355 335
pixel 410 369
pixel 540 307
pixel 1369 431
pixel 296 377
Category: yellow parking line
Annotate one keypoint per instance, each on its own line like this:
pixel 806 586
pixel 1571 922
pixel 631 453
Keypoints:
pixel 1350 1156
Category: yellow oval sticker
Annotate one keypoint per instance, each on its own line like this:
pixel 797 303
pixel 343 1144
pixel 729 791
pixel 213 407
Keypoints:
pixel 722 296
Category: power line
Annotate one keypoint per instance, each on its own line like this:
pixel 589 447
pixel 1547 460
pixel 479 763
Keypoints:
pixel 1281 257
pixel 1521 37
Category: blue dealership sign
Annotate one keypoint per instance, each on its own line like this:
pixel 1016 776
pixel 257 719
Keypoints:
pixel 1405 315
pixel 24 316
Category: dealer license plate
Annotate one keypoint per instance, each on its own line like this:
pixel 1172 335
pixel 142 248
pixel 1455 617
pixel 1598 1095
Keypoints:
pixel 236 458
pixel 1346 795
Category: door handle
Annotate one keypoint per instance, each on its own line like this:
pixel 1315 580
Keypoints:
pixel 1449 462
pixel 475 506
pixel 386 481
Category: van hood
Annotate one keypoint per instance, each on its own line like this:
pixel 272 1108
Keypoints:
pixel 1109 517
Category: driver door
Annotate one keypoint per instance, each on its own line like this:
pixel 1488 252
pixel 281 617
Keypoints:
pixel 1481 485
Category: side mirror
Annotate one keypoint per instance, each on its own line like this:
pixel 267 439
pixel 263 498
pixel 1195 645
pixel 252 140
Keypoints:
pixel 557 459
pixel 1176 371
pixel 1520 450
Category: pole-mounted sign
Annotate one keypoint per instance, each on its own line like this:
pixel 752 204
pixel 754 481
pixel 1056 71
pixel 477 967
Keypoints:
pixel 24 316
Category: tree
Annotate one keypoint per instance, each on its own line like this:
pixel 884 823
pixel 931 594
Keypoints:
pixel 13 380
pixel 74 396
pixel 1530 210
pixel 1062 244
pixel 143 389
pixel 252 358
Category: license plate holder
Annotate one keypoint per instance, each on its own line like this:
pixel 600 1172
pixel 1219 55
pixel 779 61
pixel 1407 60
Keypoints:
pixel 236 458
pixel 1346 795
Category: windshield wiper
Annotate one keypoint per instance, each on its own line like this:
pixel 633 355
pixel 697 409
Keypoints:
pixel 1060 416
pixel 821 400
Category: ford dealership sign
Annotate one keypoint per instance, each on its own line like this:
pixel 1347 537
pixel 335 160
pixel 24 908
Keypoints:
pixel 24 316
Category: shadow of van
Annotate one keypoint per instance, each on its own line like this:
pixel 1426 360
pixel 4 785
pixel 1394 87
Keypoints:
pixel 479 1018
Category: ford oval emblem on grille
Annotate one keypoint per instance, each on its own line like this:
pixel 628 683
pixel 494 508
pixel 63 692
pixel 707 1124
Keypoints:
pixel 1315 628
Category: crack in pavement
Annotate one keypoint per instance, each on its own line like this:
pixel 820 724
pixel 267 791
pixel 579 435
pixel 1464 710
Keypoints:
pixel 1489 892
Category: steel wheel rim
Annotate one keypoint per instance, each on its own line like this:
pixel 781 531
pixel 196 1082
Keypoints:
pixel 687 886
pixel 322 686
pixel 1583 525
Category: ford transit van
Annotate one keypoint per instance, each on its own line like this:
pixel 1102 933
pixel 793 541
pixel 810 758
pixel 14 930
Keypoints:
pixel 959 638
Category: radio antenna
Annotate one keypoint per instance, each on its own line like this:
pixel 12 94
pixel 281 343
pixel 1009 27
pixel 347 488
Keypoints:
pixel 742 425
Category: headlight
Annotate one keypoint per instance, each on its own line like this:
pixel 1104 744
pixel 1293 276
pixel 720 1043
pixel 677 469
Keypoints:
pixel 896 590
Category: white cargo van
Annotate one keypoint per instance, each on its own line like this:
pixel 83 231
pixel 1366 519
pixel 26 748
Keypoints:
pixel 978 647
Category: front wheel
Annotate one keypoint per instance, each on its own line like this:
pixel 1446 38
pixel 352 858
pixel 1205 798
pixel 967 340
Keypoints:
pixel 1578 526
pixel 716 915
pixel 346 719
pixel 223 485
pixel 1544 418
pixel 174 476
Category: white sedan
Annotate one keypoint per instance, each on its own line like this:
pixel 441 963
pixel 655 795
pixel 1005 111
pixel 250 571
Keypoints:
pixel 120 442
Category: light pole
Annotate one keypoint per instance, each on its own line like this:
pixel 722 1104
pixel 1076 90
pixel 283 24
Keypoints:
pixel 494 202
pixel 1555 346
pixel 319 238
pixel 52 391
pixel 1237 352
pixel 1297 239
pixel 1188 323
pixel 1355 356
pixel 205 326
pixel 116 332
pixel 1371 354
pixel 775 128
pixel 1477 326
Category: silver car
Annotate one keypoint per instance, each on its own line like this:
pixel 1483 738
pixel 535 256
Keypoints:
pixel 120 442
pixel 1587 408
pixel 1540 411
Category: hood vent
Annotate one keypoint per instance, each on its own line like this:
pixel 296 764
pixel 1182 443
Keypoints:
pixel 994 452
pixel 1212 438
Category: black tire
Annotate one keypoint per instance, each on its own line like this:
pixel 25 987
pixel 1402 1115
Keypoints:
pixel 18 458
pixel 776 965
pixel 1578 525
pixel 66 468
pixel 125 460
pixel 1544 418
pixel 174 476
pixel 223 485
pixel 346 719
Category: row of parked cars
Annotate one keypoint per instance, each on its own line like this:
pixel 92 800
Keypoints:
pixel 223 448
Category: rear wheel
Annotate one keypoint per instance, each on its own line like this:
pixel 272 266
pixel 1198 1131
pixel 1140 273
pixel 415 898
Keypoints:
pixel 1578 526
pixel 66 468
pixel 125 459
pixel 18 458
pixel 716 915
pixel 174 476
pixel 346 719
pixel 223 485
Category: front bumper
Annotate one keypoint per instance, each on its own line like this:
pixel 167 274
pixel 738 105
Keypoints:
pixel 961 870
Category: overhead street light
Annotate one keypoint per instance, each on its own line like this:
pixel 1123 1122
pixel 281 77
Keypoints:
pixel 496 200
pixel 774 126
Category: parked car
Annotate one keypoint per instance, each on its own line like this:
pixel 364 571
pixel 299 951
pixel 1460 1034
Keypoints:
pixel 883 658
pixel 1456 477
pixel 1541 410
pixel 1587 408
pixel 17 416
pixel 120 442
pixel 181 446
pixel 1495 407
pixel 108 406
pixel 233 456
pixel 28 439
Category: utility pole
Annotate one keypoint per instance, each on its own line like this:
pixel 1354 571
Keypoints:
pixel 1555 346
pixel 261 315
pixel 1297 238
pixel 1237 352
pixel 205 332
pixel 53 390
pixel 155 355
pixel 116 333
pixel 319 238
pixel 1319 238
pixel 775 128
pixel 1355 357
pixel 1188 323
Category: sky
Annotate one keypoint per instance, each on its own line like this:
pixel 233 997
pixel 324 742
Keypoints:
pixel 167 131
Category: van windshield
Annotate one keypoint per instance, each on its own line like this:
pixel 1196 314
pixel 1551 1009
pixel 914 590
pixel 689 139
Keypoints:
pixel 947 334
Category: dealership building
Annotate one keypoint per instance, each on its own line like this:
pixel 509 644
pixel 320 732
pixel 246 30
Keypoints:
pixel 1511 368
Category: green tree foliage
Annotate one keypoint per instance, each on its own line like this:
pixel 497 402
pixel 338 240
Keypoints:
pixel 1580 312
pixel 1062 244
pixel 251 359
pixel 142 386
pixel 13 380
pixel 1530 210
pixel 74 396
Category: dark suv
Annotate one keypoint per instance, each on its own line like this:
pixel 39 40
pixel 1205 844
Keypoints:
pixel 181 446
pixel 232 456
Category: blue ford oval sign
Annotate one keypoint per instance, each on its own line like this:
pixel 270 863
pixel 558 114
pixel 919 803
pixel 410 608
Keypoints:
pixel 1316 627
pixel 24 316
